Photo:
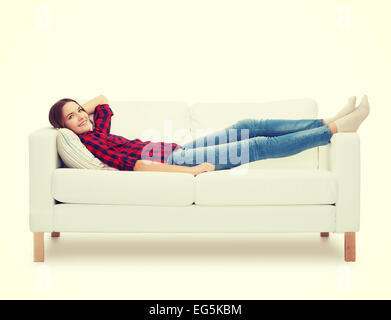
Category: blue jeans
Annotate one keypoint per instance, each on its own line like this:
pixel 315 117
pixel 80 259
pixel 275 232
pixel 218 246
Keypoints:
pixel 250 140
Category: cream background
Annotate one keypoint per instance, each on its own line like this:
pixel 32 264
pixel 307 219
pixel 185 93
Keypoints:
pixel 204 50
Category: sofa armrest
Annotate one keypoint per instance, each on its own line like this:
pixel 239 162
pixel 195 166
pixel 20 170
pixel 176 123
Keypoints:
pixel 344 160
pixel 43 160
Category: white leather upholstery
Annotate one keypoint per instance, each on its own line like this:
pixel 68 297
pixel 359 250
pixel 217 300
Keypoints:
pixel 266 187
pixel 198 219
pixel 317 190
pixel 122 187
pixel 256 187
pixel 222 114
pixel 43 160
pixel 345 164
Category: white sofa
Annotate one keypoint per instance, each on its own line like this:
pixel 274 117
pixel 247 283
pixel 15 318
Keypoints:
pixel 317 190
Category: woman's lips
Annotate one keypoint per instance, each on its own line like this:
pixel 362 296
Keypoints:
pixel 83 123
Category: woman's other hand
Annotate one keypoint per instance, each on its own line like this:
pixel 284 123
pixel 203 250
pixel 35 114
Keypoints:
pixel 203 167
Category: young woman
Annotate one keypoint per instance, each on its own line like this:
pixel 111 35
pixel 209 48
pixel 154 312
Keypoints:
pixel 245 141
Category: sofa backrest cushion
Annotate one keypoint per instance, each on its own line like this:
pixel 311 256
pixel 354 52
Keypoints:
pixel 74 153
pixel 151 121
pixel 180 122
pixel 209 117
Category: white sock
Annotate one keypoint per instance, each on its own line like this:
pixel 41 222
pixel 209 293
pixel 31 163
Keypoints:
pixel 349 107
pixel 352 121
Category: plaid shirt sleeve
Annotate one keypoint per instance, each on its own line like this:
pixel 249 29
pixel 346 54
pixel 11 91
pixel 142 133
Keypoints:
pixel 123 161
pixel 102 118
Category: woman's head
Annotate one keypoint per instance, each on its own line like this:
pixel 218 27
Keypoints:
pixel 67 113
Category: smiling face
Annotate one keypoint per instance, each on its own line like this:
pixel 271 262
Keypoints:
pixel 75 119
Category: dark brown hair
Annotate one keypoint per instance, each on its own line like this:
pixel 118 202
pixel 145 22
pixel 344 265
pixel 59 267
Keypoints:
pixel 55 113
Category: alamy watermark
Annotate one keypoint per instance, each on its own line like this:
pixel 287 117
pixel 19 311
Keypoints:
pixel 344 17
pixel 221 147
pixel 43 15
pixel 344 277
pixel 43 277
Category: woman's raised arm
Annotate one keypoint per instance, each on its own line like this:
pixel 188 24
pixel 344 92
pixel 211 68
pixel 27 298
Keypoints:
pixel 90 105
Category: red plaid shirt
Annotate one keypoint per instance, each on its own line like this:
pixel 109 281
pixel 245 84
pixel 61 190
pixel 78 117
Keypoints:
pixel 117 151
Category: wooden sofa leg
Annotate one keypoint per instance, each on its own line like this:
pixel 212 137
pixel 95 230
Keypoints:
pixel 324 234
pixel 350 246
pixel 38 247
pixel 55 234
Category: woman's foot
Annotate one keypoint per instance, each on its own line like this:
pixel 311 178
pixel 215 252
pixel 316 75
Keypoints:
pixel 349 107
pixel 352 121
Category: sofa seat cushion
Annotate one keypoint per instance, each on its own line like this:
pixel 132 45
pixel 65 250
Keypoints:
pixel 266 187
pixel 122 187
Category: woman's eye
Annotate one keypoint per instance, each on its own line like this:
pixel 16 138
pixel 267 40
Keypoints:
pixel 70 117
